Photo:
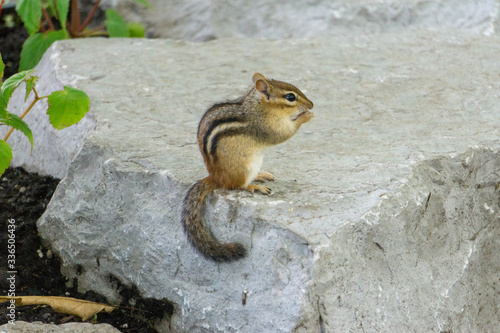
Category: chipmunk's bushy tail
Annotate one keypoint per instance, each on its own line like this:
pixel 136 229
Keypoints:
pixel 200 237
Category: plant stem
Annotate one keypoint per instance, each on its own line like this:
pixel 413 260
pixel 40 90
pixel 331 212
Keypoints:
pixel 36 93
pixel 90 16
pixel 8 134
pixel 28 109
pixel 75 16
pixel 42 26
pixel 70 29
pixel 48 19
pixel 94 32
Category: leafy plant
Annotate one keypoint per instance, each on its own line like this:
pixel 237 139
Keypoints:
pixel 39 16
pixel 66 108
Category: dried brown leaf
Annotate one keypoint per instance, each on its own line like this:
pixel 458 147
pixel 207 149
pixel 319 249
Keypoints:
pixel 73 306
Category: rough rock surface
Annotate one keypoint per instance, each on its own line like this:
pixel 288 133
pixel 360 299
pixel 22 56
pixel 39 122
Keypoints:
pixel 201 20
pixel 385 212
pixel 24 327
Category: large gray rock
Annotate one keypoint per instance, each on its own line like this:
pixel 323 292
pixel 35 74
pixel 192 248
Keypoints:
pixel 277 19
pixel 385 212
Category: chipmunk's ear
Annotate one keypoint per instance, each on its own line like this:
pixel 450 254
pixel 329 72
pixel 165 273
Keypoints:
pixel 258 76
pixel 261 85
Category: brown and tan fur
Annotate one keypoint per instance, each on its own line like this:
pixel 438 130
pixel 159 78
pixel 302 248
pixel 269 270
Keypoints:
pixel 233 137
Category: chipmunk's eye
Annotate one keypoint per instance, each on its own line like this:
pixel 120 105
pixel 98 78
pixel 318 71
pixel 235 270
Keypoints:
pixel 290 97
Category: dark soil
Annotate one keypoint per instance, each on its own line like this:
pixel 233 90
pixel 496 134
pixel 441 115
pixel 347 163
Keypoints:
pixel 23 198
pixel 11 41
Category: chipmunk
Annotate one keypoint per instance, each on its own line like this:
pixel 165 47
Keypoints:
pixel 233 137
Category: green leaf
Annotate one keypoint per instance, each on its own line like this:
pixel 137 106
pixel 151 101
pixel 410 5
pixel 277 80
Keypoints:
pixel 3 112
pixel 30 12
pixel 30 84
pixel 18 124
pixel 50 7
pixel 5 156
pixel 10 85
pixel 136 30
pixel 35 46
pixel 62 10
pixel 145 3
pixel 67 107
pixel 115 24
pixel 2 66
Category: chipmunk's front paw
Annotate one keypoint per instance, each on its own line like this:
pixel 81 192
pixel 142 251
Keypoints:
pixel 263 176
pixel 262 188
